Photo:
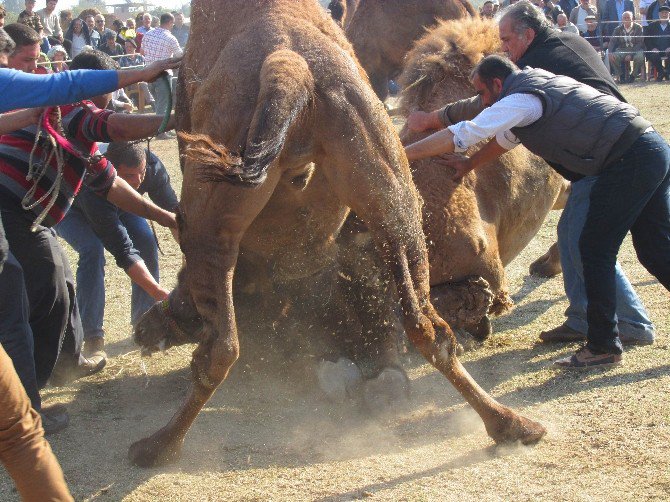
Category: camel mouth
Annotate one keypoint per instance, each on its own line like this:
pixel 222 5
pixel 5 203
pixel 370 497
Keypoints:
pixel 149 350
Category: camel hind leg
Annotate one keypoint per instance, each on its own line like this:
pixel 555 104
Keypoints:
pixel 369 171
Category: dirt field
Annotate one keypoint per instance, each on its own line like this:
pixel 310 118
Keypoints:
pixel 265 437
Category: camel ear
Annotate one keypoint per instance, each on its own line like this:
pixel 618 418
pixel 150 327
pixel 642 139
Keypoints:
pixel 215 162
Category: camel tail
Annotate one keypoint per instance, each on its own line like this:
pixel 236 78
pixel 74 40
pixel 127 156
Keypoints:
pixel 286 90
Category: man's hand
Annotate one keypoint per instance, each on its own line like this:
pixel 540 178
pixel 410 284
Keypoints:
pixel 154 70
pixel 460 163
pixel 418 121
pixel 128 107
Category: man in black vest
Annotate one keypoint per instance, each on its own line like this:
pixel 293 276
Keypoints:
pixel 593 134
pixel 530 41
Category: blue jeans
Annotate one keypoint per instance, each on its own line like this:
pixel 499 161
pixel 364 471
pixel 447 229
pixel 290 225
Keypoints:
pixel 91 267
pixel 633 194
pixel 633 319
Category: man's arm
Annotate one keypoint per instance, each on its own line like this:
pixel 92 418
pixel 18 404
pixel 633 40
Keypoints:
pixel 122 194
pixel 463 165
pixel 124 127
pixel 26 90
pixel 464 109
pixel 13 121
pixel 435 144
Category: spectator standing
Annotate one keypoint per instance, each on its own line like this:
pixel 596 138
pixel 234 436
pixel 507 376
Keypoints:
pixel 181 30
pixel 552 11
pixel 567 6
pixel 579 13
pixel 102 30
pixel 566 26
pixel 486 11
pixel 593 34
pixel 110 45
pixel 146 24
pixel 626 45
pixel 159 44
pixel 51 22
pixel 65 18
pixel 94 34
pixel 95 224
pixel 30 18
pixel 657 42
pixel 611 16
pixel 79 37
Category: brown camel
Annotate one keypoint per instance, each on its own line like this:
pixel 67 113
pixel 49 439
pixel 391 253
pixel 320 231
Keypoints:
pixel 474 228
pixel 283 135
pixel 383 31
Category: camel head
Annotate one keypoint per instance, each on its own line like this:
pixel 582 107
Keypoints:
pixel 438 67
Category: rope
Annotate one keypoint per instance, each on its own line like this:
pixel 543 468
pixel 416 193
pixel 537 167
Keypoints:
pixel 36 171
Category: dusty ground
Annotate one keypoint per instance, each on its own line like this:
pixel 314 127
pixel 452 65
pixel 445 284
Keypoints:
pixel 265 437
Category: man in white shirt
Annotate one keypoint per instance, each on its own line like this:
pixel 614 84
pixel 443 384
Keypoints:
pixel 159 44
pixel 579 13
pixel 51 21
pixel 592 134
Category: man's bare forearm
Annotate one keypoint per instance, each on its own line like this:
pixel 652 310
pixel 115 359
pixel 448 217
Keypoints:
pixel 125 127
pixel 124 196
pixel 435 144
pixel 488 153
pixel 141 276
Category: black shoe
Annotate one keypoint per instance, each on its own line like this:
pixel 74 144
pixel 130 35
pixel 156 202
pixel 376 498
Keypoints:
pixel 631 78
pixel 64 373
pixel 55 418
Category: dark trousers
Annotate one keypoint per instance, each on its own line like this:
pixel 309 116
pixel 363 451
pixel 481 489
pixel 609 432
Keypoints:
pixel 632 194
pixel 655 59
pixel 54 317
pixel 16 336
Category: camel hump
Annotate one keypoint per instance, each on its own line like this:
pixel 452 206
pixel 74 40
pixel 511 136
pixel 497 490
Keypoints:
pixel 286 91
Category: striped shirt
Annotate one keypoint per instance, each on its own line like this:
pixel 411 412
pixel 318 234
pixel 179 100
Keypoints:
pixel 84 124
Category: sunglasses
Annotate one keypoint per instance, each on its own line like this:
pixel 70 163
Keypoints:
pixel 100 22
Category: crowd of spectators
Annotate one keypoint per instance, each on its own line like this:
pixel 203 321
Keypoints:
pixel 610 26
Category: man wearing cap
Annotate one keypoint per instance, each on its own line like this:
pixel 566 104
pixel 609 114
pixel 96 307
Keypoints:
pixel 594 135
pixel 593 34
pixel 657 42
pixel 579 13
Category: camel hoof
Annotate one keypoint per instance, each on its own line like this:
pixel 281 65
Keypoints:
pixel 387 389
pixel 154 451
pixel 512 428
pixel 340 380
pixel 466 342
pixel 546 267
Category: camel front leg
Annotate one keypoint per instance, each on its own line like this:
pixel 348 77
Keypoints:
pixel 215 217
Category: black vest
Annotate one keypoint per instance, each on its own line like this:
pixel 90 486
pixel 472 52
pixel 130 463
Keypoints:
pixel 581 128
